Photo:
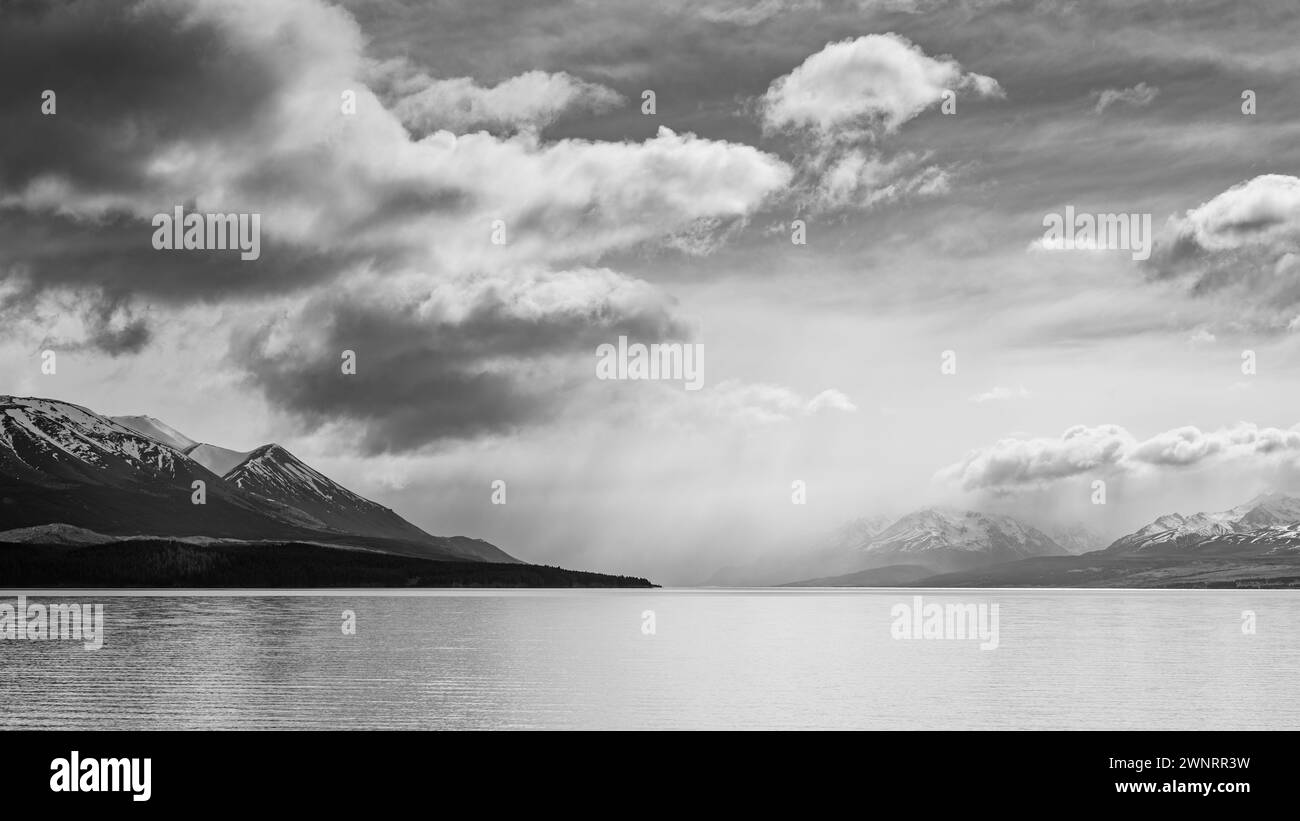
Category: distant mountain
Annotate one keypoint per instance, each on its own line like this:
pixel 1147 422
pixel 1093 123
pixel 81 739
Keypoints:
pixel 1253 545
pixel 61 464
pixel 1076 538
pixel 947 538
pixel 931 540
pixel 1267 519
pixel 856 533
pixel 894 575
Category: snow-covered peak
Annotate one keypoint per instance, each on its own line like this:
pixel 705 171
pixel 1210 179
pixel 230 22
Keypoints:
pixel 156 429
pixel 274 472
pixel 1269 509
pixel 1265 510
pixel 67 464
pixel 63 440
pixel 934 528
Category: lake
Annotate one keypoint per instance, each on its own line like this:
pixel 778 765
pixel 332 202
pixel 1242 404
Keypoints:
pixel 750 659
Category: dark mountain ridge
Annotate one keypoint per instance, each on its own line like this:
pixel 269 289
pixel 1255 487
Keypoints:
pixel 64 464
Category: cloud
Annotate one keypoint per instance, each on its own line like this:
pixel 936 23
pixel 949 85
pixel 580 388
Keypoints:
pixel 1001 394
pixel 840 105
pixel 529 101
pixel 1138 96
pixel 575 200
pixel 464 359
pixel 1013 464
pixel 863 178
pixel 271 138
pixel 1246 241
pixel 1017 462
pixel 860 88
pixel 372 240
pixel 749 13
pixel 1263 212
pixel 765 403
pixel 756 12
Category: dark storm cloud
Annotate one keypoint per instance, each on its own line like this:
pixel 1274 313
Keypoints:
pixel 48 251
pixel 114 338
pixel 244 109
pixel 425 374
pixel 134 83
pixel 111 325
pixel 129 81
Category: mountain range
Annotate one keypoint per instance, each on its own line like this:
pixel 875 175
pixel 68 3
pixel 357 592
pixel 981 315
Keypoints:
pixel 1268 520
pixel 65 469
pixel 939 546
pixel 924 543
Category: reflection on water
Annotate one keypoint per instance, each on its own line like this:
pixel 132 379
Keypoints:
pixel 717 659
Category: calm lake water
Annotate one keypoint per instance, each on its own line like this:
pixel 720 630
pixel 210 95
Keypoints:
pixel 717 659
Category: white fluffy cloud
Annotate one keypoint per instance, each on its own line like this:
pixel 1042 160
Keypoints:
pixel 577 199
pixel 842 102
pixel 529 101
pixel 858 87
pixel 1242 246
pixel 1105 450
pixel 1261 212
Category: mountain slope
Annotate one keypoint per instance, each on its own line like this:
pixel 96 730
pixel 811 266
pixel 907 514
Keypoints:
pixel 156 430
pixel 273 473
pixel 219 460
pixel 64 464
pixel 56 443
pixel 1263 519
pixel 61 463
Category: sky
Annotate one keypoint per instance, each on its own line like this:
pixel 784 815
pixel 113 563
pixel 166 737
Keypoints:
pixel 474 197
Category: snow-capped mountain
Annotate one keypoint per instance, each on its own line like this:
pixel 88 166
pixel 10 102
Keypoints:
pixel 935 528
pixel 56 443
pixel 217 459
pixel 1266 516
pixel 925 542
pixel 1273 539
pixel 156 430
pixel 62 464
pixel 272 472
